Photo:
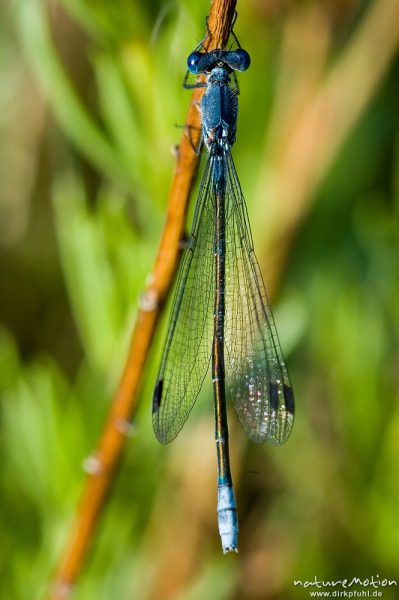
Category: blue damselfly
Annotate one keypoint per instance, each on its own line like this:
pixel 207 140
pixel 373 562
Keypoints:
pixel 221 314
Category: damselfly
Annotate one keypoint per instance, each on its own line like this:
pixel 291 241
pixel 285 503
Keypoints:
pixel 221 314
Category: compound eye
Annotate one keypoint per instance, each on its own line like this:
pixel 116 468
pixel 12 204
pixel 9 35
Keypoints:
pixel 193 62
pixel 244 59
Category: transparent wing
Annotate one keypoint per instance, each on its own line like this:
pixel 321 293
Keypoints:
pixel 187 350
pixel 257 379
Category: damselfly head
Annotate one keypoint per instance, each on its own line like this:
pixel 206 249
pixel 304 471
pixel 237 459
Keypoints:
pixel 232 60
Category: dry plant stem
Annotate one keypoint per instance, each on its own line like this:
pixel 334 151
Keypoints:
pixel 107 455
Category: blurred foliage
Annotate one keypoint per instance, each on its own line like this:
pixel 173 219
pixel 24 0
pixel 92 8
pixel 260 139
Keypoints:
pixel 89 99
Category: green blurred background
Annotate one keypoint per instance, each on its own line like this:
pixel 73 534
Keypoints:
pixel 90 93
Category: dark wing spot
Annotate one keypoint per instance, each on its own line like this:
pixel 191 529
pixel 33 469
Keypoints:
pixel 289 399
pixel 156 399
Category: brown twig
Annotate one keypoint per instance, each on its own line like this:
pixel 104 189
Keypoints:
pixel 106 457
